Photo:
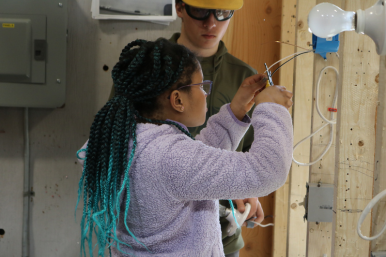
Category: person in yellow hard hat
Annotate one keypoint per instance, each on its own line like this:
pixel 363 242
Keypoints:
pixel 204 23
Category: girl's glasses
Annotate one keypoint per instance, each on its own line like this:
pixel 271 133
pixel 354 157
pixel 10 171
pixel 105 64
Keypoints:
pixel 203 14
pixel 205 86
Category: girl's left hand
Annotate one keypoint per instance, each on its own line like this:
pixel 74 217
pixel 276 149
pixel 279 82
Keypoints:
pixel 256 213
pixel 243 101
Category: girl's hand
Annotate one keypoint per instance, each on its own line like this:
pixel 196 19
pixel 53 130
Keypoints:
pixel 256 213
pixel 275 94
pixel 244 99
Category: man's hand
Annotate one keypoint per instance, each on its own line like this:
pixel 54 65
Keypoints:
pixel 256 213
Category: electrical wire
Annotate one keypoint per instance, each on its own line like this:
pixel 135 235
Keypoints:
pixel 288 61
pixel 330 122
pixel 261 225
pixel 366 211
pixel 298 53
pixel 291 44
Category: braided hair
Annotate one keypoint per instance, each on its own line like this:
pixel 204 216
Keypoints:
pixel 145 71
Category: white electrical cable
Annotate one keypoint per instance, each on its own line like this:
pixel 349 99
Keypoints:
pixel 288 57
pixel 261 225
pixel 366 211
pixel 330 122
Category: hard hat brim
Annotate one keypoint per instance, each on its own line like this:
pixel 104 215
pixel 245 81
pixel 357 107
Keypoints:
pixel 216 4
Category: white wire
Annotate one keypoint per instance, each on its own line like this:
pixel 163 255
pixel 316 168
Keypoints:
pixel 333 122
pixel 261 225
pixel 288 57
pixel 330 122
pixel 366 211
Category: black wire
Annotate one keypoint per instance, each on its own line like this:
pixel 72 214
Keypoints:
pixel 290 60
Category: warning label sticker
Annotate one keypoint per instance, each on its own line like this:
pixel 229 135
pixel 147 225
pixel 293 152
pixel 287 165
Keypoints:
pixel 9 25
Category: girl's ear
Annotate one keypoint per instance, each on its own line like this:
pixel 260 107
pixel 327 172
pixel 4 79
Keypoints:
pixel 177 101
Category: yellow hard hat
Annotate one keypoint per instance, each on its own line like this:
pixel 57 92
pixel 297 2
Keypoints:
pixel 216 4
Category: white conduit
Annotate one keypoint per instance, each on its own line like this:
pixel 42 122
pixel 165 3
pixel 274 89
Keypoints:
pixel 330 122
pixel 26 188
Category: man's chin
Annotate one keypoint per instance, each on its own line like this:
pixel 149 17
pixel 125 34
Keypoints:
pixel 209 44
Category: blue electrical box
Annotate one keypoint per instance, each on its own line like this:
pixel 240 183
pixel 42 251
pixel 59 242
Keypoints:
pixel 323 46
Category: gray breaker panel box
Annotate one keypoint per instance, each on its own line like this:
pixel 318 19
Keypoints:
pixel 33 42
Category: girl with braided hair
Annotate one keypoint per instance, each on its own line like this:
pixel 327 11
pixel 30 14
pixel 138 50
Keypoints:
pixel 149 187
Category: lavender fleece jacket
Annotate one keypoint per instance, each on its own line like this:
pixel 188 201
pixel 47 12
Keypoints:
pixel 175 182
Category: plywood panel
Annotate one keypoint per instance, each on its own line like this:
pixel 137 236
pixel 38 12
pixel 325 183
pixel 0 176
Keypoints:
pixel 297 230
pixel 355 151
pixel 288 34
pixel 251 37
pixel 379 212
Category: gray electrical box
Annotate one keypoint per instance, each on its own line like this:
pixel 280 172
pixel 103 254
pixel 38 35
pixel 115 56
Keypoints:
pixel 33 42
pixel 378 254
pixel 320 203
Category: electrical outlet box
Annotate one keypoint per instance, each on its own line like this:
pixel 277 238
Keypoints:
pixel 320 203
pixel 323 46
pixel 33 44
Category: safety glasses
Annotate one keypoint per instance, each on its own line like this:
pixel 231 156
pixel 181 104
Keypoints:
pixel 205 86
pixel 203 14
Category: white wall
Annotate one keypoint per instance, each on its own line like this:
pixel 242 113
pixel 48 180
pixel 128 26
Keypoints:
pixel 56 135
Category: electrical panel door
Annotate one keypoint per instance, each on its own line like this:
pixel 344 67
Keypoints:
pixel 33 42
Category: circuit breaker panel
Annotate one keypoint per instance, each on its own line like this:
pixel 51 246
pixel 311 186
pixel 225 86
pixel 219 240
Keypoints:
pixel 33 42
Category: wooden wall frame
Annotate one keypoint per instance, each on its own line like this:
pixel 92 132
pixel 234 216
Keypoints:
pixel 356 162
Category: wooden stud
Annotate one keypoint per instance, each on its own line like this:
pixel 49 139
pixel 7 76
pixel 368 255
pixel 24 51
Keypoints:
pixel 288 33
pixel 379 212
pixel 320 235
pixel 297 230
pixel 358 96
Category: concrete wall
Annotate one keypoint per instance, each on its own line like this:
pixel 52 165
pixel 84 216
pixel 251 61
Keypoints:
pixel 56 135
